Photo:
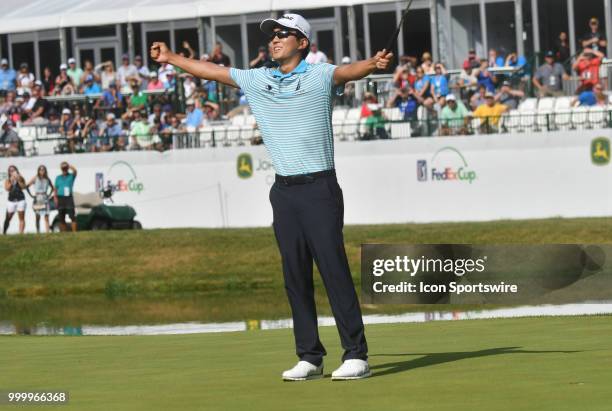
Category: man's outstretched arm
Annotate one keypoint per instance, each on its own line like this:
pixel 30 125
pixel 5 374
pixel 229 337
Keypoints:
pixel 201 69
pixel 362 68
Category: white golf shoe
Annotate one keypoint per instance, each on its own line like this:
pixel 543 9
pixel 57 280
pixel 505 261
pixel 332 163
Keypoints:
pixel 352 370
pixel 303 371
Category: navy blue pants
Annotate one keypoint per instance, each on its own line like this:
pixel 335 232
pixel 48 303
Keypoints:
pixel 308 222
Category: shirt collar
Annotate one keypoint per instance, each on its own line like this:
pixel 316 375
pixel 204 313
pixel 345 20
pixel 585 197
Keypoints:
pixel 300 68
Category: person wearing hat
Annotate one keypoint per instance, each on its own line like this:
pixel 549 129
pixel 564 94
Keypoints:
pixel 65 126
pixel 587 66
pixel 63 82
pixel 154 82
pixel 90 86
pixel 508 96
pixel 126 72
pixel 594 39
pixel 549 77
pixel 263 59
pixel 8 77
pixel 292 105
pixel 108 135
pixel 143 71
pixel 454 117
pixel 74 72
pixel 63 195
pixel 111 99
pixel 489 113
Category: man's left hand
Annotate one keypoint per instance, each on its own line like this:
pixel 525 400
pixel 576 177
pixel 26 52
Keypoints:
pixel 383 59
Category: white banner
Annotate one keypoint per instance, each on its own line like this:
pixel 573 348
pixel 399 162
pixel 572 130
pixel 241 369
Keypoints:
pixel 472 178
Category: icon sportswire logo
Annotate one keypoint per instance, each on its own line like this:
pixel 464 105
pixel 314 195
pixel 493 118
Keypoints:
pixel 121 177
pixel 447 164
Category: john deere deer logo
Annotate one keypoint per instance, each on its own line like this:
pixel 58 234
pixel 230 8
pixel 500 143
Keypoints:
pixel 600 151
pixel 244 165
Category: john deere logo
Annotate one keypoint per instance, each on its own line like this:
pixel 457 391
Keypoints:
pixel 244 165
pixel 600 151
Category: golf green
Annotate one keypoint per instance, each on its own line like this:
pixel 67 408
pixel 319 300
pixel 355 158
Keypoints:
pixel 557 363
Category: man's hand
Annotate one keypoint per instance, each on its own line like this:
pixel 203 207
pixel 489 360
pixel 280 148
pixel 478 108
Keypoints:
pixel 383 59
pixel 160 52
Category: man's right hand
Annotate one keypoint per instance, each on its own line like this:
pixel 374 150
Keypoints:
pixel 160 52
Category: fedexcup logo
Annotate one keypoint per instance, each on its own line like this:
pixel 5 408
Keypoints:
pixel 120 177
pixel 244 165
pixel 447 164
pixel 600 151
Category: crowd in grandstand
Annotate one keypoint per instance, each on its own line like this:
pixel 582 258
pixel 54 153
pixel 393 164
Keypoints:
pixel 136 107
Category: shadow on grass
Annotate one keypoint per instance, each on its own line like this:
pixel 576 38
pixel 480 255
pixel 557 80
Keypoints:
pixel 429 359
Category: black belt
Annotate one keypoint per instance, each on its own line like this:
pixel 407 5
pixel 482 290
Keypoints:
pixel 303 178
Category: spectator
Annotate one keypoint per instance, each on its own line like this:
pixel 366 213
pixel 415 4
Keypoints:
pixel 8 77
pixel 594 97
pixel 467 83
pixel 74 72
pixel 427 63
pixel 404 75
pixel 43 189
pixel 508 96
pixel 64 200
pixel 439 83
pixel 88 70
pixel 218 57
pixel 15 184
pixel 137 101
pixel 594 39
pixel 25 79
pixel 189 85
pixel 36 107
pixel 454 117
pixel 65 125
pixel 587 66
pixel 263 59
pixel 77 129
pixel 140 134
pixel 143 72
pixel 47 81
pixel 549 77
pixel 109 134
pixel 107 74
pixel 90 133
pixel 484 77
pixel 194 116
pixel 174 128
pixel 16 113
pixel 166 75
pixel 90 86
pixel 63 83
pixel 111 99
pixel 154 82
pixel 211 111
pixel 315 55
pixel 562 52
pixel 467 63
pixel 9 104
pixel 489 113
pixel 514 60
pixel 375 124
pixel 10 143
pixel 368 99
pixel 494 59
pixel 407 100
pixel 126 71
pixel 157 115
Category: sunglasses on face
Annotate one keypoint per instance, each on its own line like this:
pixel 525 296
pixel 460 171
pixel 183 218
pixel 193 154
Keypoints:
pixel 283 34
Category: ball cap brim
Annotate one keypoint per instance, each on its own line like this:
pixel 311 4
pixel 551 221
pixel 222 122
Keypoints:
pixel 290 21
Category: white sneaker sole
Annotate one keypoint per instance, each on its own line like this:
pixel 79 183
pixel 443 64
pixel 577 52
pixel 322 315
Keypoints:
pixel 310 377
pixel 359 377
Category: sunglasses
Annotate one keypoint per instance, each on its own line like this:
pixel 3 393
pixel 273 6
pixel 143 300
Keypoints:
pixel 283 34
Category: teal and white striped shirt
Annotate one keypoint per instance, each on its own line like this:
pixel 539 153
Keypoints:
pixel 294 113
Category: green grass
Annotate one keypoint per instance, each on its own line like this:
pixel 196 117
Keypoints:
pixel 562 363
pixel 165 262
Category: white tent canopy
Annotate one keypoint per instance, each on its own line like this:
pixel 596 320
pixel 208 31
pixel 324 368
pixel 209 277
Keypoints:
pixel 34 15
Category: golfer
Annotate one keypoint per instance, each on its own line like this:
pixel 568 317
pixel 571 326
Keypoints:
pixel 293 106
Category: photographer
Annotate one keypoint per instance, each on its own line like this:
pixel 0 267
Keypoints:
pixel 63 195
pixel 15 184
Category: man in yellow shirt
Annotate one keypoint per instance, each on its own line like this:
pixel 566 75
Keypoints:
pixel 489 113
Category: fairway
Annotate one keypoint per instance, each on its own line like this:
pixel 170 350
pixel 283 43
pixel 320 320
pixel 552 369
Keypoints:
pixel 516 364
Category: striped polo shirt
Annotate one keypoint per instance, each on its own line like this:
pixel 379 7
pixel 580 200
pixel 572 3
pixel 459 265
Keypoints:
pixel 293 111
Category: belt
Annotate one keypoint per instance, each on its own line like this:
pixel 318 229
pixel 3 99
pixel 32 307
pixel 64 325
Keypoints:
pixel 303 178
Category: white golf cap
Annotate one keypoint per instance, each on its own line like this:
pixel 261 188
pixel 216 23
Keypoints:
pixel 451 97
pixel 66 111
pixel 63 66
pixel 153 73
pixel 290 21
pixel 110 116
pixel 71 60
pixel 346 60
pixel 3 62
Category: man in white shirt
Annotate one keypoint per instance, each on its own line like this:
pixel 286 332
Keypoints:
pixel 315 56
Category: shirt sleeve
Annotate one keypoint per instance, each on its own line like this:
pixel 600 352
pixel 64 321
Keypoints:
pixel 327 77
pixel 245 79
